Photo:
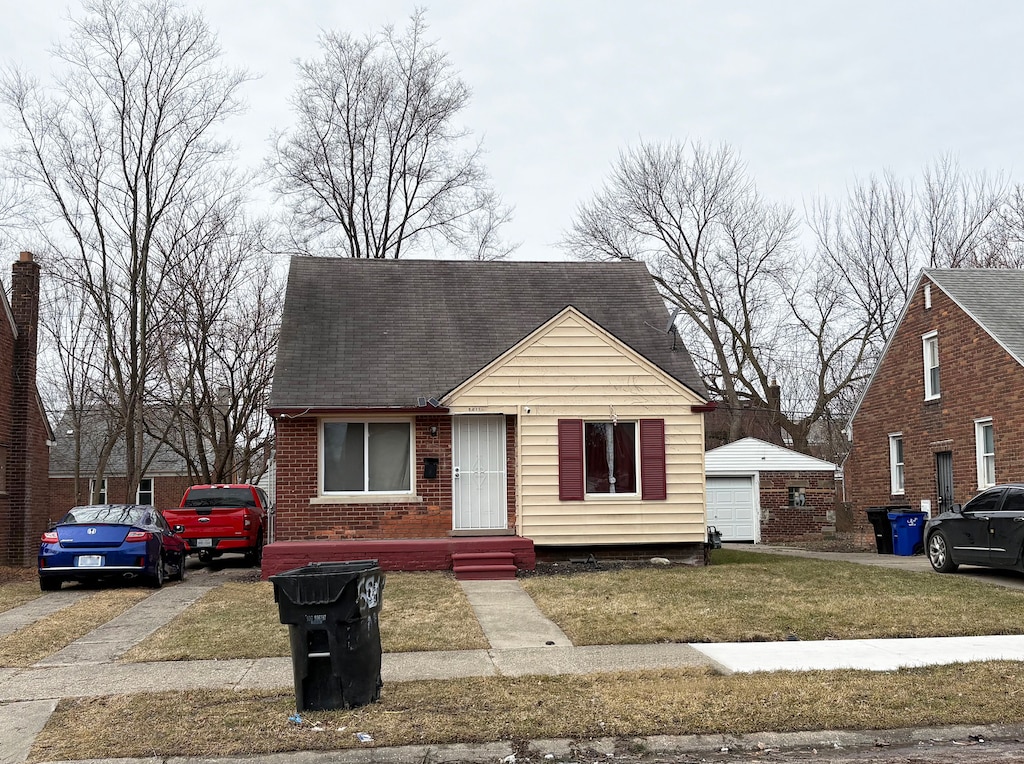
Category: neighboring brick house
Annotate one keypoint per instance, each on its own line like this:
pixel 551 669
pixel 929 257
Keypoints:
pixel 942 416
pixel 77 477
pixel 499 403
pixel 762 492
pixel 24 430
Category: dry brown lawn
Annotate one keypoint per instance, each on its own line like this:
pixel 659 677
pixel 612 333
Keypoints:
pixel 419 612
pixel 226 723
pixel 746 596
pixel 48 635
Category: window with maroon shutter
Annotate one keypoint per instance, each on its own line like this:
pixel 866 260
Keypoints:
pixel 570 459
pixel 653 483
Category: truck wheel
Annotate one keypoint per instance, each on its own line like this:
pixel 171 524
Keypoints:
pixel 254 557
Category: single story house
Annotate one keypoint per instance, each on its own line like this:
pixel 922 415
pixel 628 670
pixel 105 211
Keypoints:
pixel 428 410
pixel 87 468
pixel 758 491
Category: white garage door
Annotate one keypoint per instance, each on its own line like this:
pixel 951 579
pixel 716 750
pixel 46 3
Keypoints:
pixel 731 507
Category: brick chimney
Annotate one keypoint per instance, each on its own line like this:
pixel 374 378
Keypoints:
pixel 28 462
pixel 25 307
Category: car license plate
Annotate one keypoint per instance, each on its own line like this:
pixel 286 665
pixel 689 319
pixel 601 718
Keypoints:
pixel 204 542
pixel 90 561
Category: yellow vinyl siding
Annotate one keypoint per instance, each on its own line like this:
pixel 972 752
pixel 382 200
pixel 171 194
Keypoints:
pixel 572 369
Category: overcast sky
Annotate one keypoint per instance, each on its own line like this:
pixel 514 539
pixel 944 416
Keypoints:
pixel 812 93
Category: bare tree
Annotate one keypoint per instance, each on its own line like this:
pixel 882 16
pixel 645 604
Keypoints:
pixel 216 355
pixel 376 165
pixel 119 154
pixel 887 229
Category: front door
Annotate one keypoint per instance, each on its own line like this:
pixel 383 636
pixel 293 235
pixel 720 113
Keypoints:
pixel 944 480
pixel 479 486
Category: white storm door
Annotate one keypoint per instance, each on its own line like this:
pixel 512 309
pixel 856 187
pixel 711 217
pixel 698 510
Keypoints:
pixel 731 507
pixel 479 492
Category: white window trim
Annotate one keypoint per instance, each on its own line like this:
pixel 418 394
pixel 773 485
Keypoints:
pixel 102 492
pixel 927 296
pixel 979 446
pixel 636 451
pixel 928 340
pixel 373 495
pixel 151 491
pixel 897 468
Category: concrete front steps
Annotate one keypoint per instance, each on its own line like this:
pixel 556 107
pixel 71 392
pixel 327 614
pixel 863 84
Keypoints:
pixel 484 566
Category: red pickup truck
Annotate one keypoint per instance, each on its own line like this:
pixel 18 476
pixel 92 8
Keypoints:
pixel 222 518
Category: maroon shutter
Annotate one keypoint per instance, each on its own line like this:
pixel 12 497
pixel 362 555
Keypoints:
pixel 570 459
pixel 652 459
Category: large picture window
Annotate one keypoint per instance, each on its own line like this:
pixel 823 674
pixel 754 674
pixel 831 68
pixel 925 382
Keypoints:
pixel 367 457
pixel 610 457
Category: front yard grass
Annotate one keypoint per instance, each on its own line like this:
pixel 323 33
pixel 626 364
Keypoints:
pixel 745 596
pixel 420 611
pixel 677 702
pixel 741 597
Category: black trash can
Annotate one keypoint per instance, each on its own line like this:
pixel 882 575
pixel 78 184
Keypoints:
pixel 879 517
pixel 331 610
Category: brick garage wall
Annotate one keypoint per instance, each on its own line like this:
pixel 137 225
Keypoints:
pixel 168 492
pixel 978 379
pixel 780 521
pixel 298 519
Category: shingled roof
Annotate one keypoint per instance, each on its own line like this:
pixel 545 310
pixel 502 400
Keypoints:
pixel 382 333
pixel 992 297
pixel 95 423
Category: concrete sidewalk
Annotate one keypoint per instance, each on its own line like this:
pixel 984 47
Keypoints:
pixel 522 642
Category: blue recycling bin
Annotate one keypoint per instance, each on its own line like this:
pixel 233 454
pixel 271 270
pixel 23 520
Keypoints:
pixel 907 532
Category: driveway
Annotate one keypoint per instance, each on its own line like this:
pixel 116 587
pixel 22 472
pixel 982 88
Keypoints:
pixel 918 563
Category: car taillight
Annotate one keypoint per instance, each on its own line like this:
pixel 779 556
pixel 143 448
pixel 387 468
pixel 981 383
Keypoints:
pixel 248 522
pixel 50 537
pixel 138 536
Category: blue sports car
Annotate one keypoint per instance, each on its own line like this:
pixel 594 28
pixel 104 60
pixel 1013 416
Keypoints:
pixel 111 541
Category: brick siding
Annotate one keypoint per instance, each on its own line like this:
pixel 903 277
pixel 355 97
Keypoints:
pixel 780 521
pixel 297 519
pixel 168 492
pixel 978 379
pixel 23 428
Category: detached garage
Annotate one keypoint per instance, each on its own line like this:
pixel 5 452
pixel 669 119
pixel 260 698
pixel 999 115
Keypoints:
pixel 758 492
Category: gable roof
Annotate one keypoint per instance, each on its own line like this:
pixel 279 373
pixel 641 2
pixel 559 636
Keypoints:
pixel 975 291
pixel 759 456
pixel 992 297
pixel 382 333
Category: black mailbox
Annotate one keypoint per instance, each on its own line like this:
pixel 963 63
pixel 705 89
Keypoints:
pixel 430 468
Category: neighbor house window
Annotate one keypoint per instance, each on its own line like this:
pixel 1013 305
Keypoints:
pixel 366 457
pixel 609 456
pixel 98 491
pixel 145 493
pixel 598 459
pixel 931 366
pixel 896 474
pixel 986 449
